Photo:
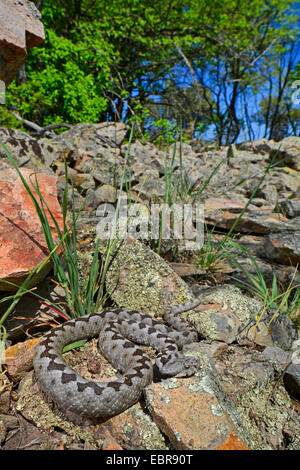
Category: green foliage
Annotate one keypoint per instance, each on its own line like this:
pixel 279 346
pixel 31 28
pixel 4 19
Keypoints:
pixel 151 62
pixel 275 296
pixel 61 86
pixel 7 119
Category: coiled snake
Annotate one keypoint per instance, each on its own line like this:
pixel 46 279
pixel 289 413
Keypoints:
pixel 116 328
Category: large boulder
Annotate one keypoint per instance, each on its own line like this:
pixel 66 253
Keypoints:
pixel 22 242
pixel 20 30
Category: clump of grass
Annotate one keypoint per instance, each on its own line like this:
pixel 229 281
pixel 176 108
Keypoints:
pixel 276 297
pixel 80 299
pixel 182 189
pixel 23 289
pixel 213 257
pixel 209 256
pixel 186 192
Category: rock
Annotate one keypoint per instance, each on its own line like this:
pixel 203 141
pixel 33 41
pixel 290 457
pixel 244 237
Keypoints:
pixel 187 269
pixel 223 313
pixel 7 423
pixel 3 431
pixel 99 140
pixel 212 350
pixel 268 331
pixel 190 414
pixel 201 145
pixel 223 212
pixel 182 149
pixel 149 166
pixel 269 193
pixel 289 368
pixel 151 188
pixel 220 324
pixel 235 206
pixel 138 278
pixel 261 404
pixel 146 153
pixel 283 247
pixel 260 146
pixel 286 180
pixel 5 391
pixel 287 150
pixel 105 193
pixel 26 151
pixel 237 157
pixel 107 171
pixel 22 242
pixel 111 444
pixel 18 359
pixel 289 208
pixel 83 182
pixel 135 429
pixel 228 315
pixel 20 30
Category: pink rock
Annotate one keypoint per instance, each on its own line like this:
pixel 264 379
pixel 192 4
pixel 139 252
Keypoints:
pixel 20 30
pixel 190 414
pixel 22 242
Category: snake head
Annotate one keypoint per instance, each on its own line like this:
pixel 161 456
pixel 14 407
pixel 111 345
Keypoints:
pixel 190 366
pixel 183 366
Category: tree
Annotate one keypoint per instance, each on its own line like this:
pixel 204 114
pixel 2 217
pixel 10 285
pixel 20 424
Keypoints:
pixel 235 40
pixel 183 61
pixel 276 113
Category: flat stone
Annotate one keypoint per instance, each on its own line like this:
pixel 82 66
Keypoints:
pixel 233 205
pixel 283 247
pixel 290 366
pixel 189 413
pixel 223 213
pixel 22 242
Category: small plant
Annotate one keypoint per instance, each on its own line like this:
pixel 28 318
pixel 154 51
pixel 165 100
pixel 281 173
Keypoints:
pixel 209 256
pixel 182 189
pixel 21 290
pixel 80 299
pixel 274 297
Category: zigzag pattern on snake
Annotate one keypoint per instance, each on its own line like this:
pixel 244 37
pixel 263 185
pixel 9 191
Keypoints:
pixel 117 328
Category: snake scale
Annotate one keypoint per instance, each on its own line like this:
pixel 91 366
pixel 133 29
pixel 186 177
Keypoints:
pixel 117 329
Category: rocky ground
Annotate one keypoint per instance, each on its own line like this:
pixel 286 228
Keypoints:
pixel 246 394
